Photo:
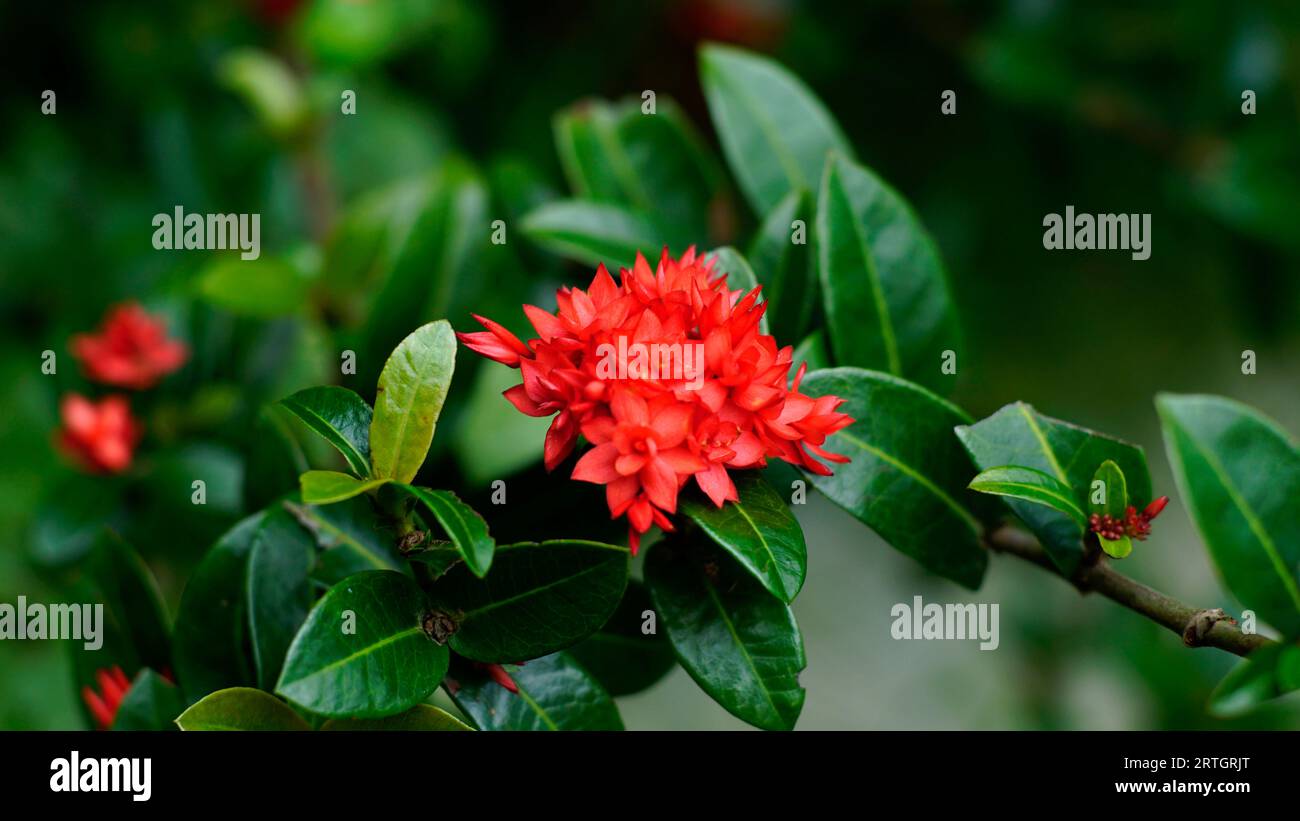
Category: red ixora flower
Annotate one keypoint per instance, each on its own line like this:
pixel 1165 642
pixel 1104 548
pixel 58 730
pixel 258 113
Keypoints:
pixel 131 350
pixel 113 686
pixel 668 375
pixel 100 436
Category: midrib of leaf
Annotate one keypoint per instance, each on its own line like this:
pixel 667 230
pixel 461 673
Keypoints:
pixel 962 512
pixel 532 591
pixel 623 170
pixel 405 415
pixel 744 651
pixel 1062 499
pixel 1256 526
pixel 569 158
pixel 763 541
pixel 535 707
pixel 1042 441
pixel 877 290
pixel 337 438
pixel 364 651
pixel 788 164
pixel 348 538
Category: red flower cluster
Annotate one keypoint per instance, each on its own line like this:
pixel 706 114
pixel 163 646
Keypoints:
pixel 113 686
pixel 1134 525
pixel 131 350
pixel 655 428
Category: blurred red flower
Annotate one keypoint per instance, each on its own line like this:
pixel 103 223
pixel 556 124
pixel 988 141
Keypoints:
pixel 113 686
pixel 100 436
pixel 728 403
pixel 131 350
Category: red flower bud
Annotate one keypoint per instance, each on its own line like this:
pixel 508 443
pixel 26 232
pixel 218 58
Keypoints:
pixel 113 686
pixel 1153 509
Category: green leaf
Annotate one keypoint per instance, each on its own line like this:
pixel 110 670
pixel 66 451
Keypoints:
pixel 1268 673
pixel 340 416
pixel 422 717
pixel 212 622
pixel 1108 495
pixel 409 399
pixel 351 537
pixel 463 526
pixel 262 288
pixel 363 652
pixel 323 487
pixel 727 260
pixel 622 655
pixel 759 531
pixel 739 643
pixel 883 283
pixel 269 87
pixel 593 233
pixel 152 703
pixel 278 589
pixel 907 476
pixel 813 352
pixel 1032 486
pixel 783 261
pixel 652 163
pixel 494 439
pixel 1239 475
pixel 555 693
pixel 273 458
pixel 773 129
pixel 133 604
pixel 1019 435
pixel 539 598
pixel 240 708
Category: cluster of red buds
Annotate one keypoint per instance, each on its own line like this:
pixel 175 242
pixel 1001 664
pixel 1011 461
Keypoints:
pixel 1133 525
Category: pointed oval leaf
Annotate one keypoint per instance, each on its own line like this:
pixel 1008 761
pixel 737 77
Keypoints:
pixel 409 399
pixel 539 598
pixel 907 476
pixel 883 283
pixel 351 537
pixel 1108 495
pixel 421 717
pixel 240 708
pixel 1019 435
pixel 277 589
pixel 782 259
pixel 339 415
pixel 464 527
pixel 1239 475
pixel 759 531
pixel 363 652
pixel 629 654
pixel 773 129
pixel 133 604
pixel 555 693
pixel 1030 485
pixel 323 487
pixel 593 233
pixel 739 643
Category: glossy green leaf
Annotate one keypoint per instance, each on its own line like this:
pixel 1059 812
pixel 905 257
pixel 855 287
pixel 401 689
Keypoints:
pixel 883 283
pixel 740 276
pixel 1239 474
pixel 1030 485
pixel 1268 673
pixel 409 399
pixel 421 717
pixel 1108 495
pixel 262 288
pixel 152 703
pixel 1019 435
pixel 363 652
pixel 339 415
pixel 278 590
pixel 652 163
pixel 133 604
pixel 908 474
pixel 630 653
pixel 274 457
pixel 773 129
pixel 351 537
pixel 759 531
pixel 323 487
pixel 593 233
pixel 739 643
pixel 240 708
pixel 462 524
pixel 555 693
pixel 781 254
pixel 212 622
pixel 539 598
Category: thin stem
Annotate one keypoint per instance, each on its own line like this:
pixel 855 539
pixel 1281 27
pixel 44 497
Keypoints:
pixel 1198 627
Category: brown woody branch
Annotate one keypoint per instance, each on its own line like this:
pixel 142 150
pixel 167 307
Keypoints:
pixel 1198 627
